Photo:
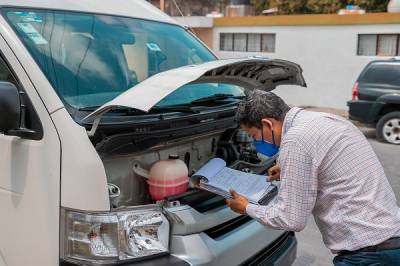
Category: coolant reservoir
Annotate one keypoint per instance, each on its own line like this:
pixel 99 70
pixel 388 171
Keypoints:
pixel 168 177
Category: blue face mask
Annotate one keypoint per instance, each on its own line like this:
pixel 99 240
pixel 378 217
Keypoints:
pixel 264 147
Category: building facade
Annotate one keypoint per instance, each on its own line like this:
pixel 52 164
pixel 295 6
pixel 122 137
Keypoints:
pixel 331 49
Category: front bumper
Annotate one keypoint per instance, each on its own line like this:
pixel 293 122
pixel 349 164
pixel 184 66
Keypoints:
pixel 245 248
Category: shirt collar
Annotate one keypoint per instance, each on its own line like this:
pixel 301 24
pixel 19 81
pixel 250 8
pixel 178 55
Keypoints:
pixel 289 119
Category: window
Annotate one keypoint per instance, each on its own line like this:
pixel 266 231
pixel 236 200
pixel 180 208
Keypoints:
pixel 382 74
pixel 398 47
pixel 251 42
pixel 268 43
pixel 5 73
pixel 226 42
pixel 387 45
pixel 378 44
pixel 240 42
pixel 367 44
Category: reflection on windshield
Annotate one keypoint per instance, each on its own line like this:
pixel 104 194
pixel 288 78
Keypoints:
pixel 90 59
pixel 192 92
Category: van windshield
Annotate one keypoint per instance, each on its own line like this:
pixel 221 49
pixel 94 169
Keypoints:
pixel 90 59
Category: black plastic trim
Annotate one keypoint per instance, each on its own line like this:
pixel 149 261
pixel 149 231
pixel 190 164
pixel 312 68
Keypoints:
pixel 227 227
pixel 200 200
pixel 128 142
pixel 256 73
pixel 281 252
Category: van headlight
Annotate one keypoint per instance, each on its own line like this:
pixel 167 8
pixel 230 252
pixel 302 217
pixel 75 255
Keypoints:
pixel 114 236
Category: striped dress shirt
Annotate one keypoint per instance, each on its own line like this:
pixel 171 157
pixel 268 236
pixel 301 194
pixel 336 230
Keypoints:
pixel 329 169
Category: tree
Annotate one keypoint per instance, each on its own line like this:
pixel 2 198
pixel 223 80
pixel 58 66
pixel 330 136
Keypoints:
pixel 371 5
pixel 260 5
pixel 324 6
pixel 289 6
pixel 317 6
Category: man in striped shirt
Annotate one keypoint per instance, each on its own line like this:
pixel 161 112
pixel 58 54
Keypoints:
pixel 327 168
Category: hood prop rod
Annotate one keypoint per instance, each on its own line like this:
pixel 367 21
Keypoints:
pixel 95 125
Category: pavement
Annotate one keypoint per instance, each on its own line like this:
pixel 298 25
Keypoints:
pixel 311 250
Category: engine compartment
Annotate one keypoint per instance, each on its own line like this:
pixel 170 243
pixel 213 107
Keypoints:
pixel 126 173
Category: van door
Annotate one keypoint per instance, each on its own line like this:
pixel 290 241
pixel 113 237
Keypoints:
pixel 29 178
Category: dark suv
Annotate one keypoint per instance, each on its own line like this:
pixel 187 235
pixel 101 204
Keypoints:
pixel 376 99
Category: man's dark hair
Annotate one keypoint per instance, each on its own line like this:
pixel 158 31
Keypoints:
pixel 258 105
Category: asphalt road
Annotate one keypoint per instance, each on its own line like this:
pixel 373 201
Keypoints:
pixel 311 250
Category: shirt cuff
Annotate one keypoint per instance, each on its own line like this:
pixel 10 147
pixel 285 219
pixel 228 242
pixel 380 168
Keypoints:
pixel 251 210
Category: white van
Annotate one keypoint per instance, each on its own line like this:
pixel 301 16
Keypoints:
pixel 84 114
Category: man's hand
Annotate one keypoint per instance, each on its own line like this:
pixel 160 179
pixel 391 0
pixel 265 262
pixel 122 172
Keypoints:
pixel 274 173
pixel 237 203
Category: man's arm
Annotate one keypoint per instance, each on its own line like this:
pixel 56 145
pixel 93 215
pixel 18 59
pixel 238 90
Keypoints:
pixel 297 194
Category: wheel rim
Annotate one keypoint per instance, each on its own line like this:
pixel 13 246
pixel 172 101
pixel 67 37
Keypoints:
pixel 391 131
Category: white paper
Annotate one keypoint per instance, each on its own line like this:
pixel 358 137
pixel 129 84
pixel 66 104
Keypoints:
pixel 250 185
pixel 220 179
pixel 211 168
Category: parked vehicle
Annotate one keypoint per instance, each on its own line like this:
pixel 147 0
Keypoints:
pixel 92 95
pixel 376 99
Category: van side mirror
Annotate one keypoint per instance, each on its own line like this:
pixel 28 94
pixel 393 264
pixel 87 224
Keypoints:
pixel 10 107
pixel 11 111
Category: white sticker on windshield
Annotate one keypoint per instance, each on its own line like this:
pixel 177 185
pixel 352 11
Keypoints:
pixel 29 16
pixel 153 47
pixel 32 33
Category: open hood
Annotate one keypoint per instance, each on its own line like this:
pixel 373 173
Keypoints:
pixel 249 73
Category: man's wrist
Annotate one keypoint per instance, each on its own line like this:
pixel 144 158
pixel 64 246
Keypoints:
pixel 251 210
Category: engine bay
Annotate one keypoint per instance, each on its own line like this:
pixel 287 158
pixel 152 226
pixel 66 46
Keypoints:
pixel 127 174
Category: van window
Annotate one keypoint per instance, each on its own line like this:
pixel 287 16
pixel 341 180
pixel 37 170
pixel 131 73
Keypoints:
pixel 5 73
pixel 382 74
pixel 90 59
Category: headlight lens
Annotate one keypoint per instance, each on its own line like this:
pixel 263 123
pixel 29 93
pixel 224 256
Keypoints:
pixel 115 236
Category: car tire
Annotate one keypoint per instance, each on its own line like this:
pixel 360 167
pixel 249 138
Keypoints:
pixel 388 128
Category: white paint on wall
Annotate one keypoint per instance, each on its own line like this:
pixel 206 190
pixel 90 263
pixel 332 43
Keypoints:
pixel 327 54
pixel 195 21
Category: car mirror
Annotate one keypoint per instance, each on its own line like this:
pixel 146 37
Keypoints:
pixel 11 111
pixel 10 107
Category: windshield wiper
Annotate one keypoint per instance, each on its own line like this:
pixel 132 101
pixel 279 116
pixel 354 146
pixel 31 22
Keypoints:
pixel 88 108
pixel 155 109
pixel 184 108
pixel 174 108
pixel 215 98
pixel 121 109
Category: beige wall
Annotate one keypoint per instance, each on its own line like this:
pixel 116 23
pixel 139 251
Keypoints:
pixel 206 35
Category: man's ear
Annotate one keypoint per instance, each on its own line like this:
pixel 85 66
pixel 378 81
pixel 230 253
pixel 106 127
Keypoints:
pixel 266 122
